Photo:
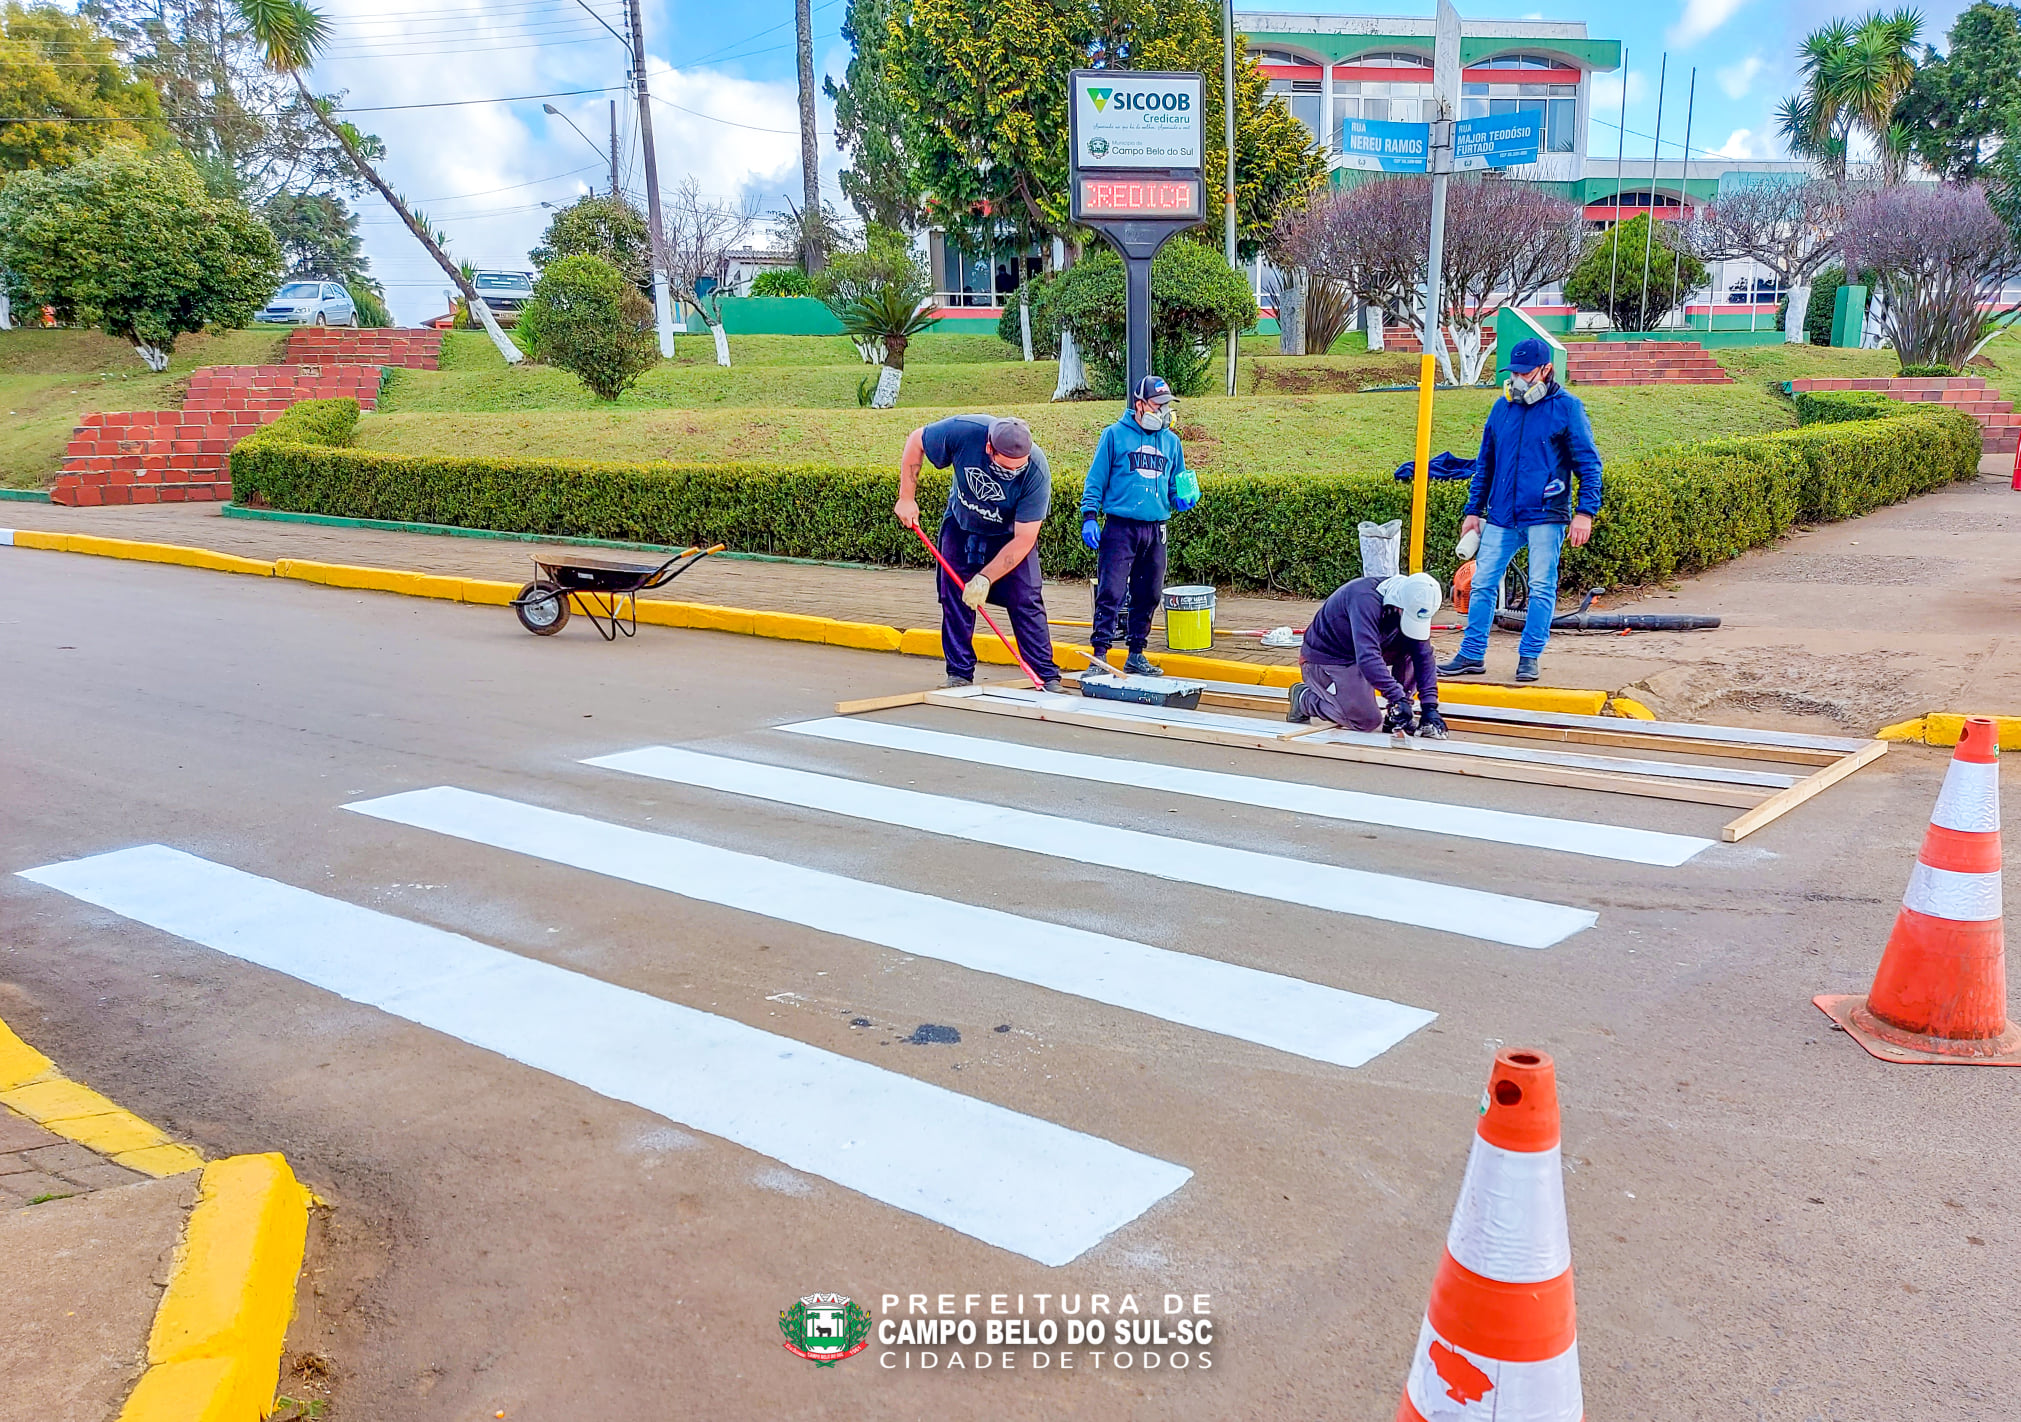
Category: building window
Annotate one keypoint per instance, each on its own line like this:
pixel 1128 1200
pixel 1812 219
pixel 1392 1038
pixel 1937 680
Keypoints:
pixel 1561 116
pixel 1520 61
pixel 1278 56
pixel 1388 59
pixel 1383 102
pixel 1302 97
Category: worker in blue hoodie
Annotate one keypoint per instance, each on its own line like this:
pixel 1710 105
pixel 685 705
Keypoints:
pixel 1134 485
pixel 1536 486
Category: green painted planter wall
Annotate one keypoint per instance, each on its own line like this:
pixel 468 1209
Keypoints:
pixel 804 316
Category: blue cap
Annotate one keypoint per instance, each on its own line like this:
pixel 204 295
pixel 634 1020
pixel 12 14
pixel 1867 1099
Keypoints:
pixel 1529 354
pixel 1154 389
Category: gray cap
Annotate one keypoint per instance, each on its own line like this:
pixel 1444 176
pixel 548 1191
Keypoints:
pixel 1011 438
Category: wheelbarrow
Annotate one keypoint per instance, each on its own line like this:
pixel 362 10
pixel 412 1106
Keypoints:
pixel 604 590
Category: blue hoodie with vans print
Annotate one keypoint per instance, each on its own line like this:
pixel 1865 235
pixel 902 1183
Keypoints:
pixel 1529 457
pixel 1134 474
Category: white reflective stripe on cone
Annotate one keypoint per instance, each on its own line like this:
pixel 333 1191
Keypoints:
pixel 1448 1383
pixel 1970 799
pixel 1945 893
pixel 1509 1223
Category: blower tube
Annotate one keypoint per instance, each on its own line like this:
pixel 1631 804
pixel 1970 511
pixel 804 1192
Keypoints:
pixel 1581 620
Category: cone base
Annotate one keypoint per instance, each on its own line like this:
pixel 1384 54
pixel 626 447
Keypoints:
pixel 1891 1044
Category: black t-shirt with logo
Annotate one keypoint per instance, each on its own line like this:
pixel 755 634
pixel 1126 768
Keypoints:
pixel 982 496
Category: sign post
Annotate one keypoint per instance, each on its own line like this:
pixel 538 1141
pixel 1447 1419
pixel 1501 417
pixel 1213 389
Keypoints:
pixel 1138 176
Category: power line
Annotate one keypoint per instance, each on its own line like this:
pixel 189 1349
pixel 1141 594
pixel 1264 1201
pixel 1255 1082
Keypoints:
pixel 461 103
pixel 733 123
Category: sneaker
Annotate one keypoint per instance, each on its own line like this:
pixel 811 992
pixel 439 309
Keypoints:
pixel 1462 665
pixel 1296 712
pixel 1139 665
pixel 953 680
pixel 1056 686
pixel 1526 669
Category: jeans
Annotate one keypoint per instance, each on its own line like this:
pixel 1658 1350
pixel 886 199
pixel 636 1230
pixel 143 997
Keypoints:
pixel 1016 592
pixel 1132 568
pixel 1498 546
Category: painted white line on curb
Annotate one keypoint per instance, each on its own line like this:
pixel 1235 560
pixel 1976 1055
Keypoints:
pixel 1499 918
pixel 1636 846
pixel 1311 1020
pixel 1011 1180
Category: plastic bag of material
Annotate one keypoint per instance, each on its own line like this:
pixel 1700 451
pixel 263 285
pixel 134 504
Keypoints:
pixel 1380 546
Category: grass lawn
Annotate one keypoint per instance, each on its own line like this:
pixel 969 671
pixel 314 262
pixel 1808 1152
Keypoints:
pixel 49 378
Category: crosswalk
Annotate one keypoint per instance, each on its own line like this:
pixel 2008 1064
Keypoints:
pixel 1039 1188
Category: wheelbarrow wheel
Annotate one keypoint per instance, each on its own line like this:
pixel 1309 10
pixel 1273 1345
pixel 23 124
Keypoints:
pixel 542 607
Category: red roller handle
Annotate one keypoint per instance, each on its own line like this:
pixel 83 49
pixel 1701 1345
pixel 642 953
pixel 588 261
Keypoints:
pixel 954 577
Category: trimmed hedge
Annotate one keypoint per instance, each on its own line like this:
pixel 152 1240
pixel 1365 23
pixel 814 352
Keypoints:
pixel 1667 513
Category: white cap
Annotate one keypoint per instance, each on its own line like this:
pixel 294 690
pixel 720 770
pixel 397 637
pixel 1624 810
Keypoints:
pixel 1417 597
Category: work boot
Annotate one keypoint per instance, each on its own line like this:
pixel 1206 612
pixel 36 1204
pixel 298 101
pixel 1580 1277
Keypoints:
pixel 953 680
pixel 1296 713
pixel 1139 665
pixel 1056 686
pixel 1526 669
pixel 1462 665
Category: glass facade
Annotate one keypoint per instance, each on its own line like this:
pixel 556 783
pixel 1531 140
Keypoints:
pixel 1302 97
pixel 1392 102
pixel 1559 102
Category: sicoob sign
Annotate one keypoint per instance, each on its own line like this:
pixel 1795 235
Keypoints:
pixel 1125 120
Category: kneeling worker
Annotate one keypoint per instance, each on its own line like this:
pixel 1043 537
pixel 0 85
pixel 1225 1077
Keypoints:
pixel 998 496
pixel 1372 636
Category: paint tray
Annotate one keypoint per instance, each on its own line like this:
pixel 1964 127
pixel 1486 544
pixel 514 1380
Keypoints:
pixel 1142 690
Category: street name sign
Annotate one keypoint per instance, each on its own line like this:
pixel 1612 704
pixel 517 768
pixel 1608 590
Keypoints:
pixel 1374 146
pixel 1497 141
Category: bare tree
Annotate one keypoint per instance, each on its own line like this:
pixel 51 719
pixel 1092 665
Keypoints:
pixel 1939 256
pixel 1791 228
pixel 1504 242
pixel 695 249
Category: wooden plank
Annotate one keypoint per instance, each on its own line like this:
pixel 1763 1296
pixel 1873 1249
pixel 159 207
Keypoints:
pixel 1265 738
pixel 1633 740
pixel 1776 806
pixel 879 703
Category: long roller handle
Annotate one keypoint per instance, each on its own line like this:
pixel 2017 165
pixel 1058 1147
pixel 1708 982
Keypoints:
pixel 955 578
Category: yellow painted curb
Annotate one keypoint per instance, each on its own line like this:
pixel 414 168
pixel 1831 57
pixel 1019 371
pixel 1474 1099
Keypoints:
pixel 792 626
pixel 31 1085
pixel 1943 728
pixel 215 1349
pixel 1629 707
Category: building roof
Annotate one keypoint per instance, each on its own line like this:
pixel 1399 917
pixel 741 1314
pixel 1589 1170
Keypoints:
pixel 1337 37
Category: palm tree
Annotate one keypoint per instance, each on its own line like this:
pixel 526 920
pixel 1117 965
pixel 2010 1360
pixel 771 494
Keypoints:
pixel 291 33
pixel 1854 74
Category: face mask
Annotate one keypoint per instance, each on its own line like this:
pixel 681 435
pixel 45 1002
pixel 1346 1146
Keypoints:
pixel 1528 392
pixel 1153 422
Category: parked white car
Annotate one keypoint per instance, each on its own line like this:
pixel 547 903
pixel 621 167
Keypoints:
pixel 310 303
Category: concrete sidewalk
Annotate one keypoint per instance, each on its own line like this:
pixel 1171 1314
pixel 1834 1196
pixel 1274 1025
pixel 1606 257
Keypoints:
pixel 1844 626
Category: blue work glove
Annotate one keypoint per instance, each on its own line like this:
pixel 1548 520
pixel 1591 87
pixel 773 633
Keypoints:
pixel 1183 502
pixel 1091 532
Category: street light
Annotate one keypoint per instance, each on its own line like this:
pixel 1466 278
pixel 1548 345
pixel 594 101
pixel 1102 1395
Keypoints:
pixel 551 109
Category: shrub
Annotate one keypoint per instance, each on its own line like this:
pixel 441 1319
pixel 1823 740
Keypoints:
pixel 782 281
pixel 1930 370
pixel 1603 282
pixel 370 306
pixel 587 319
pixel 1040 291
pixel 1195 298
pixel 1672 512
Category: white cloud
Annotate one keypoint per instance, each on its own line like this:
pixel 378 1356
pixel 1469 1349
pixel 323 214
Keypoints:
pixel 1701 18
pixel 1607 90
pixel 1745 143
pixel 1737 79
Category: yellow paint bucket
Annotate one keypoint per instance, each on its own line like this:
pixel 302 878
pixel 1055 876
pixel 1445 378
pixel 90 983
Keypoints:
pixel 1189 619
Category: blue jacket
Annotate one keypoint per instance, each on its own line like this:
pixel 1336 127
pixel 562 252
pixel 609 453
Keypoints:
pixel 1135 473
pixel 1529 457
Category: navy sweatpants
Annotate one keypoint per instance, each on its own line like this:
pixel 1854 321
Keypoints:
pixel 1132 567
pixel 1017 592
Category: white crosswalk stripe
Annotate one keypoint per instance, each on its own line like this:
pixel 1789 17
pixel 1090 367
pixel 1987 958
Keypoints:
pixel 1310 1019
pixel 1499 918
pixel 1635 846
pixel 1008 1179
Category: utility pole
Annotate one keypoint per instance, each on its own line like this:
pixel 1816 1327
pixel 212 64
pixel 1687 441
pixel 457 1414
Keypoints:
pixel 663 310
pixel 614 147
pixel 1446 106
pixel 810 153
pixel 1228 137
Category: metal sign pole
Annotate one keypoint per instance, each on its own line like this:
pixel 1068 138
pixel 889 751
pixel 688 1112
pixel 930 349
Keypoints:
pixel 1446 99
pixel 1228 137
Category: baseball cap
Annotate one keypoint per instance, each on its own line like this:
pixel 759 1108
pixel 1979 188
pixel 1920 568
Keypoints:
pixel 1154 389
pixel 1416 597
pixel 1012 438
pixel 1529 354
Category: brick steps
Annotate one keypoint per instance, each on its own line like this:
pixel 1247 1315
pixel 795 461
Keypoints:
pixel 1999 423
pixel 414 349
pixel 1642 363
pixel 273 388
pixel 1401 340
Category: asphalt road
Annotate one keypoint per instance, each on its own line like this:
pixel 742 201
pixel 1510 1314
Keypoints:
pixel 1766 1223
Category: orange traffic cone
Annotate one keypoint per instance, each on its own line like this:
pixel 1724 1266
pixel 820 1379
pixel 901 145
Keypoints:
pixel 1499 1339
pixel 1941 992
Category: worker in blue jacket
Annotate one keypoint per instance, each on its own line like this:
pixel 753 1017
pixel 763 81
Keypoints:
pixel 1537 486
pixel 1134 484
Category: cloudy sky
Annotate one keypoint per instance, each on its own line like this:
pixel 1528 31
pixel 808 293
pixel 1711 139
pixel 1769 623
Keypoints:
pixel 724 110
